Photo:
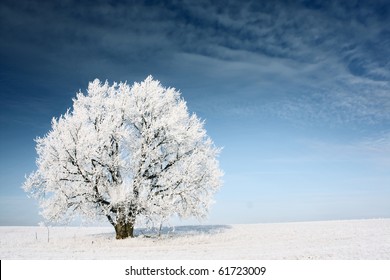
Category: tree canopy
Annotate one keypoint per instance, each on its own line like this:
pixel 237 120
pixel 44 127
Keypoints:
pixel 131 154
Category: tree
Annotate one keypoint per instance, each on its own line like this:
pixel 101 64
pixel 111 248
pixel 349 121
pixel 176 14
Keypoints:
pixel 131 154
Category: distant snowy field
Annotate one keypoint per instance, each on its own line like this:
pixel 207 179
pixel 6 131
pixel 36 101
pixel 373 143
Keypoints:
pixel 340 240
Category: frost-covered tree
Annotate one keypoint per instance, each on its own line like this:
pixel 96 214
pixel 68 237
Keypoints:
pixel 131 154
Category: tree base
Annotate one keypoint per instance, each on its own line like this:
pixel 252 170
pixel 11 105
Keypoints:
pixel 124 230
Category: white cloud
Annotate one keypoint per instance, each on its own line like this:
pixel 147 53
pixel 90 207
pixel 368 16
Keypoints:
pixel 325 64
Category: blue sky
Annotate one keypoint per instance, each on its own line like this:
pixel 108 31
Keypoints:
pixel 296 92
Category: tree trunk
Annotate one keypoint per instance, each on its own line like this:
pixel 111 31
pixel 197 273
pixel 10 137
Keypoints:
pixel 124 230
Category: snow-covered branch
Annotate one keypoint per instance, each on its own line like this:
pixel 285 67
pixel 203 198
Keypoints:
pixel 127 153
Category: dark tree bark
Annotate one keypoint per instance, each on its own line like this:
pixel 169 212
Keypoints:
pixel 124 224
pixel 124 229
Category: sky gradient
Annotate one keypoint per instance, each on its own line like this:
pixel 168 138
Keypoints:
pixel 296 92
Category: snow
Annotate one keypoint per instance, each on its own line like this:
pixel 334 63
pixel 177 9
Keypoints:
pixel 340 240
pixel 126 154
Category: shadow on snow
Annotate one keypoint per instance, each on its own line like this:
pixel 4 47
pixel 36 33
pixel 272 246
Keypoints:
pixel 168 232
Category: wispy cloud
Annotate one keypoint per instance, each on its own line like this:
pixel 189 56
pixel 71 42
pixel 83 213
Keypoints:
pixel 326 61
pixel 373 149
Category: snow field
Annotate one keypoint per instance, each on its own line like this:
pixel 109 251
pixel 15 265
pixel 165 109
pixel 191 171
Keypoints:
pixel 340 240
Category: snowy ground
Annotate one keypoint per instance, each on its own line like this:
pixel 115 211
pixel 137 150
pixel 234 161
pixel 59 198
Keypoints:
pixel 342 240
